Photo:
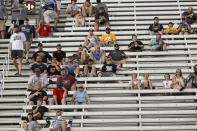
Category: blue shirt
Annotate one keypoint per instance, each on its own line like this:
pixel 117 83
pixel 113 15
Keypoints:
pixel 155 46
pixel 51 6
pixel 71 70
pixel 80 97
pixel 97 55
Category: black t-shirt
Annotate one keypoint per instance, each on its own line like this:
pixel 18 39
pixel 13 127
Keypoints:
pixel 109 68
pixel 135 47
pixel 191 19
pixel 42 67
pixel 45 55
pixel 156 27
pixel 35 98
pixel 116 55
pixel 59 55
pixel 52 70
pixel 41 110
pixel 102 17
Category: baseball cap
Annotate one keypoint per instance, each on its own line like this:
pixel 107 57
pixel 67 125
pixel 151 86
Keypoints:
pixel 40 44
pixel 108 28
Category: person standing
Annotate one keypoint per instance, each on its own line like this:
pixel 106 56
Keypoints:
pixel 28 31
pixel 3 19
pixel 16 47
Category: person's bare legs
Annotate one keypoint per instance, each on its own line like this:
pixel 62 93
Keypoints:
pixel 77 70
pixel 93 71
pixel 132 85
pixel 107 24
pixel 2 34
pixel 63 126
pixel 91 11
pixel 83 56
pixel 31 103
pixel 55 22
pixel 186 33
pixel 51 101
pixel 85 71
pixel 96 25
pixel 164 47
pixel 83 22
pixel 20 65
pixel 189 85
pixel 150 32
pixel 83 11
pixel 76 21
pixel 16 65
pixel 63 101
pixel 25 126
pixel 103 55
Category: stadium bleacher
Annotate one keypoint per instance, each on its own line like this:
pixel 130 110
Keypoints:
pixel 114 106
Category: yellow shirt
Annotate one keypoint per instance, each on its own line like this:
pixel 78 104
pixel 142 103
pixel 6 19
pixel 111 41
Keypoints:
pixel 107 38
pixel 171 30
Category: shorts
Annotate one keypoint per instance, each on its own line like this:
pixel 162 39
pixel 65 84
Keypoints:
pixel 59 5
pixel 17 54
pixel 49 15
pixel 28 45
pixel 2 25
pixel 80 103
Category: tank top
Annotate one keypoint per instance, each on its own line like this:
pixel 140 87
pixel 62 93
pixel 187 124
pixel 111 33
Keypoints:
pixel 81 96
pixel 97 55
pixel 93 41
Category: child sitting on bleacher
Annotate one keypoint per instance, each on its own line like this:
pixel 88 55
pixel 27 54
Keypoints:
pixel 135 83
pixel 146 83
pixel 167 84
pixel 171 30
pixel 184 28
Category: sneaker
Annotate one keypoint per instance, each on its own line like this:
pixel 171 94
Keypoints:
pixel 27 61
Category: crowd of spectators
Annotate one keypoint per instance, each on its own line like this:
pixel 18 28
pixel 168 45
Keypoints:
pixel 65 70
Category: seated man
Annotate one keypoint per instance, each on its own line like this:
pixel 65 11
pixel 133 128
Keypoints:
pixel 89 70
pixel 72 67
pixel 80 97
pixel 59 124
pixel 101 18
pixel 190 16
pixel 40 65
pixel 192 79
pixel 81 56
pixel 87 9
pixel 157 44
pixel 118 57
pixel 97 55
pixel 136 45
pixel 36 79
pixel 43 30
pixel 72 9
pixel 68 81
pixel 184 28
pixel 36 94
pixel 156 28
pixel 44 55
pixel 100 4
pixel 109 69
pixel 59 55
pixel 39 110
pixel 108 39
pixel 59 95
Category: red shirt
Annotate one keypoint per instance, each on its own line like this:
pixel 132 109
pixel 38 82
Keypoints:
pixel 58 93
pixel 44 30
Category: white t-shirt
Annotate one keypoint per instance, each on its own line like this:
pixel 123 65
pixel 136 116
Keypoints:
pixel 167 84
pixel 17 40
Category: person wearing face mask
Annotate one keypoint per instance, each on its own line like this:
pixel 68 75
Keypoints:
pixel 43 29
pixel 192 79
pixel 108 39
pixel 28 31
pixel 16 49
pixel 59 124
pixel 156 28
pixel 19 12
pixel 3 19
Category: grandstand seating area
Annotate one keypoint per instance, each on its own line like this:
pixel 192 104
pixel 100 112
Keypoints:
pixel 114 106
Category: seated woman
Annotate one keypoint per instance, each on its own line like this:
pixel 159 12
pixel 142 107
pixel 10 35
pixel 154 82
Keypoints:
pixel 178 80
pixel 89 70
pixel 79 20
pixel 135 83
pixel 167 84
pixel 91 40
pixel 184 27
pixel 30 124
pixel 146 83
pixel 80 97
pixel 87 9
